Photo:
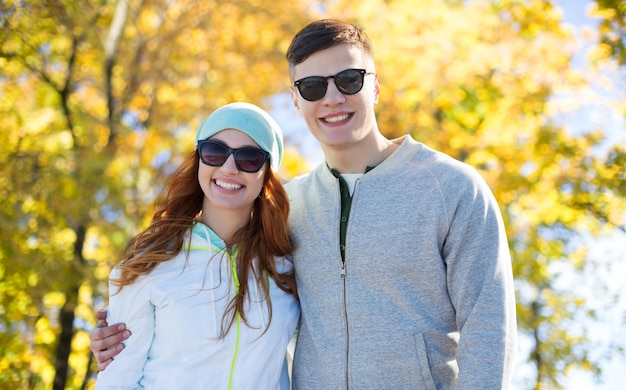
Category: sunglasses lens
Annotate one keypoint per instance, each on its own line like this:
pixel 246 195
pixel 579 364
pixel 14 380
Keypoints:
pixel 249 160
pixel 213 154
pixel 313 88
pixel 349 81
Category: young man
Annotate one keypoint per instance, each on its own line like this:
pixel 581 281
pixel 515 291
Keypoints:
pixel 402 262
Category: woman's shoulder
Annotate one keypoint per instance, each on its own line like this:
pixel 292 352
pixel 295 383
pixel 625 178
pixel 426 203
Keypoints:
pixel 283 264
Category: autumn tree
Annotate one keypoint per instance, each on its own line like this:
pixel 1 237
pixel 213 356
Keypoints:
pixel 612 28
pixel 99 100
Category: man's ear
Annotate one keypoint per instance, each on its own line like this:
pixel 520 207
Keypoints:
pixel 376 89
pixel 294 99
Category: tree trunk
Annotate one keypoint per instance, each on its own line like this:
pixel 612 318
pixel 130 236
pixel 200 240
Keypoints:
pixel 62 354
pixel 67 315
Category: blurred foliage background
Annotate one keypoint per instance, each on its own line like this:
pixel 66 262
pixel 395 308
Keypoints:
pixel 99 99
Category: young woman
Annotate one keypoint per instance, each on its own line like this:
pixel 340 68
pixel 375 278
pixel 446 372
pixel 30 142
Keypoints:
pixel 206 289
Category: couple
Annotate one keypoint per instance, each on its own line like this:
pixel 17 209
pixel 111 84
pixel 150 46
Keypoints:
pixel 401 261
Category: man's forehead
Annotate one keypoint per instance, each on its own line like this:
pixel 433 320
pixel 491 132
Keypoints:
pixel 331 61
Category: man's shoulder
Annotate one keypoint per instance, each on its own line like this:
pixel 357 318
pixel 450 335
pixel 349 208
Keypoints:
pixel 297 179
pixel 431 164
pixel 301 181
pixel 296 182
pixel 426 157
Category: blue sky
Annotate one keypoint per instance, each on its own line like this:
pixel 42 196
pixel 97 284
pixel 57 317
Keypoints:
pixel 611 250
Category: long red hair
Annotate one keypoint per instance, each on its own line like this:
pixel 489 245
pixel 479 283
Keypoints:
pixel 177 209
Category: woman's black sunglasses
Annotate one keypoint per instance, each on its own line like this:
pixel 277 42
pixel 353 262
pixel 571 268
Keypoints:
pixel 348 82
pixel 247 159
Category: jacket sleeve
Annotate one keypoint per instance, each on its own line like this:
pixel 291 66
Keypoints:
pixel 480 283
pixel 132 306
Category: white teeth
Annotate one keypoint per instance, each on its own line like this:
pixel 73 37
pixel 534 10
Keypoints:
pixel 228 186
pixel 339 118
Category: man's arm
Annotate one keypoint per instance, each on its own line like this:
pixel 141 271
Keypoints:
pixel 106 341
pixel 480 282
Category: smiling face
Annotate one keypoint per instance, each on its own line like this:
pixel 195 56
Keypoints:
pixel 227 189
pixel 338 120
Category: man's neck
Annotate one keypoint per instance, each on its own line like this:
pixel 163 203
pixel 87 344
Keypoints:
pixel 357 157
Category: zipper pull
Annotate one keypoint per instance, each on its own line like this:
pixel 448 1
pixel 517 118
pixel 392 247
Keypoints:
pixel 343 270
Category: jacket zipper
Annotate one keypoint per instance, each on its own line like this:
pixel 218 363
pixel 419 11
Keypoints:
pixel 345 313
pixel 232 258
pixel 345 305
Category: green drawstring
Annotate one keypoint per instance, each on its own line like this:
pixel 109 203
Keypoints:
pixel 237 320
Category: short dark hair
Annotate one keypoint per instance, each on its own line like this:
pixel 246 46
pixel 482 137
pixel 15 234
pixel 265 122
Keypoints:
pixel 323 34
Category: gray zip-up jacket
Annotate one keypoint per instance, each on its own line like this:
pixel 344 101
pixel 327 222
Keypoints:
pixel 427 298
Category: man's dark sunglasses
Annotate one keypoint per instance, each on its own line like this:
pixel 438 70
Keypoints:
pixel 348 82
pixel 247 159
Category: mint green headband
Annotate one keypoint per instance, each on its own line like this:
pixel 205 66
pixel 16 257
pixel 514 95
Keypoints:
pixel 250 119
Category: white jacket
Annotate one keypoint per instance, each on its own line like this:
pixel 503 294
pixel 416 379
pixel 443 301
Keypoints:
pixel 175 314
